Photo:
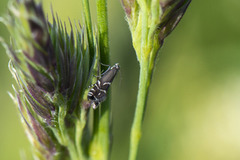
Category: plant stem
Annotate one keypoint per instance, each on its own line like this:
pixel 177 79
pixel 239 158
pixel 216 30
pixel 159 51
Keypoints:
pixel 102 19
pixel 144 82
pixel 100 145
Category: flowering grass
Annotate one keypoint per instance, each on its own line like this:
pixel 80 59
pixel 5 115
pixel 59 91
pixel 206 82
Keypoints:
pixel 54 69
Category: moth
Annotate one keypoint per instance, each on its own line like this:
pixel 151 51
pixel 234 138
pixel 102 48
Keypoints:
pixel 98 93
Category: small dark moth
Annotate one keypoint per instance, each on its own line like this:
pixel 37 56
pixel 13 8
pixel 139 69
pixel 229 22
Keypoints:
pixel 98 93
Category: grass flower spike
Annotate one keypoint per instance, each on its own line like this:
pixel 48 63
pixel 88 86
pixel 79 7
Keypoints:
pixel 53 71
pixel 150 22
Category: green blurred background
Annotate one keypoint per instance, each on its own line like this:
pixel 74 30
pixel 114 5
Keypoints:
pixel 193 110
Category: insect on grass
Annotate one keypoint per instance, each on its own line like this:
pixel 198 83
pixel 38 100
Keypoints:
pixel 98 93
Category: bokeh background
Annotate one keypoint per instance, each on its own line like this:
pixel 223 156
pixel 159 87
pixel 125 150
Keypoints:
pixel 193 109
